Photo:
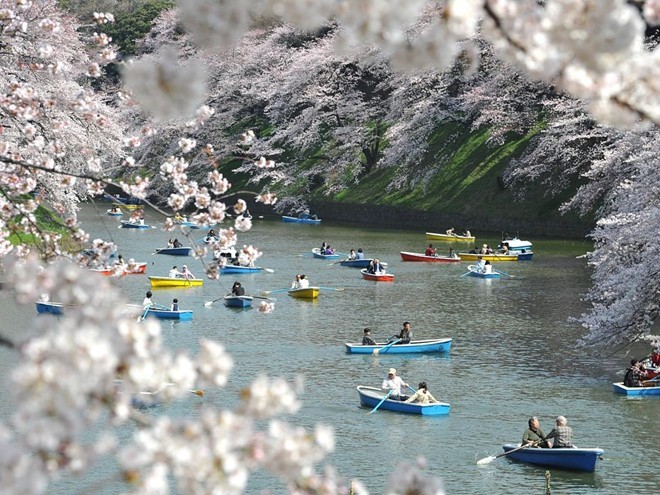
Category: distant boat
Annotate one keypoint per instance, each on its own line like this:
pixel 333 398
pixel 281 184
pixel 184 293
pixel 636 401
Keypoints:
pixel 135 268
pixel 113 213
pixel 306 293
pixel 362 263
pixel 566 458
pixel 175 251
pixel 516 244
pixel 166 314
pixel 372 396
pixel 238 301
pixel 473 272
pixel 620 388
pixel 524 255
pixel 377 277
pixel 239 269
pixel 407 256
pixel 125 224
pixel 432 236
pixel 301 220
pixel 316 252
pixel 488 257
pixel 175 282
pixel 415 346
pixel 53 308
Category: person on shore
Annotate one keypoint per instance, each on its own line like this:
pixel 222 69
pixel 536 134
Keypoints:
pixel 534 436
pixel 366 339
pixel 430 251
pixel 422 396
pixel 237 289
pixel 561 433
pixel 394 383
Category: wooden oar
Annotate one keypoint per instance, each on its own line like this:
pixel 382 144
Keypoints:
pixel 338 289
pixel 491 458
pixel 504 273
pixel 144 315
pixel 384 349
pixel 382 400
pixel 331 264
pixel 269 270
pixel 267 292
pixel 208 303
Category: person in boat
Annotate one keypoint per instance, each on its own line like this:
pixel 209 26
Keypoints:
pixel 300 282
pixel 185 273
pixel 480 265
pixel 304 282
pixel 351 255
pixel 174 272
pixel 324 246
pixel 246 214
pixel 178 217
pixel 115 209
pixel 405 335
pixel 488 268
pixel 562 434
pixel 467 233
pixel 175 305
pixel 360 254
pixel 366 339
pixel 534 436
pixel 176 243
pixel 450 231
pixel 484 249
pixel 452 253
pixel 422 396
pixel 303 214
pixel 120 260
pixel 635 375
pixel 237 289
pixel 170 243
pixel 147 302
pixel 394 383
pixel 505 248
pixel 474 251
pixel 430 251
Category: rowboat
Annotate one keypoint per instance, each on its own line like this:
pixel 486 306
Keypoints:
pixel 306 293
pixel 432 236
pixel 363 263
pixel 104 271
pixel 113 213
pixel 166 314
pixel 288 219
pixel 53 308
pixel 175 282
pixel 516 244
pixel 238 301
pixel 371 397
pixel 565 458
pixel 415 346
pixel 488 257
pixel 524 255
pixel 125 224
pixel 316 252
pixel 620 388
pixel 175 251
pixel 377 277
pixel 239 269
pixel 472 270
pixel 135 268
pixel 407 256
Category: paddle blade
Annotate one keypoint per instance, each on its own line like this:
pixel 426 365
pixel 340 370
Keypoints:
pixel 269 270
pixel 376 352
pixel 198 393
pixel 208 303
pixel 486 460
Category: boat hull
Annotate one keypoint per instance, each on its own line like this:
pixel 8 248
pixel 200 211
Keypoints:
pixel 50 308
pixel 573 459
pixel 363 263
pixel 114 213
pixel 432 236
pixel 524 255
pixel 516 244
pixel 306 293
pixel 475 273
pixel 407 256
pixel 313 221
pixel 131 225
pixel 238 301
pixel 371 397
pixel 165 314
pixel 377 277
pixel 620 388
pixel 415 346
pixel 175 282
pixel 180 251
pixel 316 252
pixel 488 257
pixel 236 269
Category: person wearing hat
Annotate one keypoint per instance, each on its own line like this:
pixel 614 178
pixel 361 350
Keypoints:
pixel 366 339
pixel 562 434
pixel 484 249
pixel 185 273
pixel 393 384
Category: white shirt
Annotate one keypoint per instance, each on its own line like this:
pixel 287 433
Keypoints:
pixel 147 302
pixel 394 384
pixel 174 273
pixel 303 283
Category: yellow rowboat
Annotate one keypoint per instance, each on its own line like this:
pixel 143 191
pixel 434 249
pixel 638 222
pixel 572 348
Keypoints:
pixel 306 293
pixel 432 236
pixel 175 282
pixel 488 257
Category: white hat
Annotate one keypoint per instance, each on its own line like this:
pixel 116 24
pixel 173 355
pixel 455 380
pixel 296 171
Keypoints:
pixel 392 371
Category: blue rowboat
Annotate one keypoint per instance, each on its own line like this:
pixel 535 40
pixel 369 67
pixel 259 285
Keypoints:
pixel 132 225
pixel 316 252
pixel 238 301
pixel 166 314
pixel 473 272
pixel 311 220
pixel 49 308
pixel 235 269
pixel 178 251
pixel 113 213
pixel 525 255
pixel 574 459
pixel 620 388
pixel 371 397
pixel 415 346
